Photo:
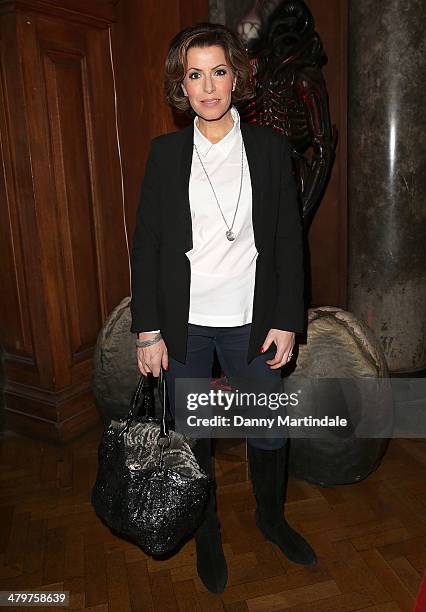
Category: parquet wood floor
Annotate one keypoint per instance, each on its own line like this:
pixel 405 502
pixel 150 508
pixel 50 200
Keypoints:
pixel 370 538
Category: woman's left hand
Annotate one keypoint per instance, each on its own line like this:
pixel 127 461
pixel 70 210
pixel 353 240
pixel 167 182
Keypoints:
pixel 284 341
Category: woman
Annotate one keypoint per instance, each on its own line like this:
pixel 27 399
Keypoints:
pixel 217 262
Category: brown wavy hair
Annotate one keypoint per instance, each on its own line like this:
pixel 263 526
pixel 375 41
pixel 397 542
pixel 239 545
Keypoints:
pixel 206 34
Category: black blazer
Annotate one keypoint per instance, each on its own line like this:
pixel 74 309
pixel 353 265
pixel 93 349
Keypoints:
pixel 161 272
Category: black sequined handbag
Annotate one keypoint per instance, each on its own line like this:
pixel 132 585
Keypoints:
pixel 149 487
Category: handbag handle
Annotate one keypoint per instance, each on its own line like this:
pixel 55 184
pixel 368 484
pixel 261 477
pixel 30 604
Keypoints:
pixel 164 436
pixel 164 439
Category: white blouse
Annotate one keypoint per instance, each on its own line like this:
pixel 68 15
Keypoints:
pixel 222 271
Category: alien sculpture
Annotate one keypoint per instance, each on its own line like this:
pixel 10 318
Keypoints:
pixel 286 54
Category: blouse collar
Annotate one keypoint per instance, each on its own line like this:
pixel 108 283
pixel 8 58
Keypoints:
pixel 225 144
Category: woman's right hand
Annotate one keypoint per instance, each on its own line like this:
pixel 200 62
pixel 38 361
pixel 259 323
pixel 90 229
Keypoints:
pixel 151 357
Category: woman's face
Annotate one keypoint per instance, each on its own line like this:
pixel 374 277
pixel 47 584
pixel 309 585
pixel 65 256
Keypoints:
pixel 208 81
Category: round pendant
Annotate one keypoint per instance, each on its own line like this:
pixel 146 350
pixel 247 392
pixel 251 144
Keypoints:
pixel 230 235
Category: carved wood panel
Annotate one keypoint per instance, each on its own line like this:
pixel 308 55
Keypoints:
pixel 62 269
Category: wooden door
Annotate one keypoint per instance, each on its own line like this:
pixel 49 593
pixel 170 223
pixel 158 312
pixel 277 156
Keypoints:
pixel 62 261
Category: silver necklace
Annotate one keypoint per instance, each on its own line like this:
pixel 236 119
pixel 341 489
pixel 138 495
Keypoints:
pixel 229 233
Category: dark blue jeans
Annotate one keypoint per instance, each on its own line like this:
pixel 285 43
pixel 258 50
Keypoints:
pixel 231 344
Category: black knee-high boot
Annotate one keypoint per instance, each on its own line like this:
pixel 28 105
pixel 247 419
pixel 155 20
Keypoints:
pixel 211 562
pixel 269 473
